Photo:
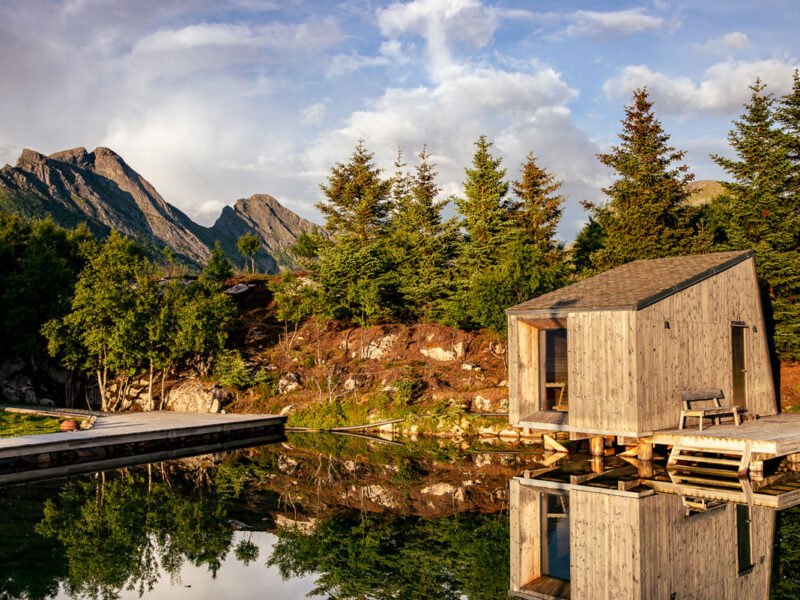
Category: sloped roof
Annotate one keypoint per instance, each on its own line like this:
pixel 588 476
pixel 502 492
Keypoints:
pixel 634 285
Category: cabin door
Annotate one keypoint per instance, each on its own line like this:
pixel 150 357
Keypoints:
pixel 739 365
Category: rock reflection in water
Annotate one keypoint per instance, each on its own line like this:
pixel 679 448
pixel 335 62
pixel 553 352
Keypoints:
pixel 331 516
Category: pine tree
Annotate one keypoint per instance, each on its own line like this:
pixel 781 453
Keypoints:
pixel 787 114
pixel 647 214
pixel 764 209
pixel 218 268
pixel 357 199
pixel 424 244
pixel 355 267
pixel 484 208
pixel 531 261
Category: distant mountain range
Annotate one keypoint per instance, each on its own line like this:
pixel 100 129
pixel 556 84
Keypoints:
pixel 100 189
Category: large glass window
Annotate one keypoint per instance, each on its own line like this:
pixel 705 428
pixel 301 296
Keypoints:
pixel 555 537
pixel 553 369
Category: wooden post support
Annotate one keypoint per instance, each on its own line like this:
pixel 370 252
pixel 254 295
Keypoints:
pixel 645 469
pixel 597 445
pixel 757 470
pixel 598 464
pixel 645 451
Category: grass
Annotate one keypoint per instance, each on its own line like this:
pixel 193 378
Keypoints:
pixel 14 424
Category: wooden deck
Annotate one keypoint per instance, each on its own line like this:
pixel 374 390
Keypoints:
pixel 133 428
pixel 777 435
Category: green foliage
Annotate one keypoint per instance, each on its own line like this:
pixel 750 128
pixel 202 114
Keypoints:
pixel 763 204
pixel 423 245
pixel 306 246
pixel 230 370
pixel 511 254
pixel 410 387
pixel 648 214
pixel 400 557
pixel 248 245
pixel 295 300
pixel 39 266
pixel 124 320
pixel 218 268
pixel 589 240
pixel 357 200
pixel 99 334
pixel 117 531
pixel 13 424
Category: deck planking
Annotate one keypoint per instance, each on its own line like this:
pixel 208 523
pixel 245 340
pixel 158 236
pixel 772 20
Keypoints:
pixel 776 435
pixel 127 428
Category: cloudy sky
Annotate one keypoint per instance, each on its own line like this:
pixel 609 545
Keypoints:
pixel 214 101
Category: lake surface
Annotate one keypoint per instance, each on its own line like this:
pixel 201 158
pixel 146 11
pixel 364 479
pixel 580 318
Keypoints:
pixel 347 517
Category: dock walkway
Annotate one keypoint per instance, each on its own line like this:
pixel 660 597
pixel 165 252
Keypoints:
pixel 134 428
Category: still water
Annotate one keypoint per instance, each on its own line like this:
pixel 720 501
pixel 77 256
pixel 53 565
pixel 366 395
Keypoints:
pixel 344 517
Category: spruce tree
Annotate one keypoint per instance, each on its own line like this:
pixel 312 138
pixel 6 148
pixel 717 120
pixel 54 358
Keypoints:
pixel 787 114
pixel 647 214
pixel 765 211
pixel 355 267
pixel 424 243
pixel 484 207
pixel 357 201
pixel 218 268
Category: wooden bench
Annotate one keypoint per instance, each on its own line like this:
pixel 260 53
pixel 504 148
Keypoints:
pixel 716 412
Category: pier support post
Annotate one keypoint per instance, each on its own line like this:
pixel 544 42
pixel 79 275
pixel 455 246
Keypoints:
pixel 793 461
pixel 644 451
pixel 597 446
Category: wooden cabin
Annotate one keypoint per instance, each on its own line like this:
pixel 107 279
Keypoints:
pixel 609 355
pixel 581 544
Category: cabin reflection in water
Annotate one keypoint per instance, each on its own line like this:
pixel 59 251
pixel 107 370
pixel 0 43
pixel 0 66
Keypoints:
pixel 573 541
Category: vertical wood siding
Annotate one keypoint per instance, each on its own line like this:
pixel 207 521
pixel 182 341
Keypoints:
pixel 695 352
pixel 602 370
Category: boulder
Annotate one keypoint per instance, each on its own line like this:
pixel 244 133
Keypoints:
pixel 380 495
pixel 470 367
pixel 377 348
pixel 443 355
pixel 193 395
pixel 288 383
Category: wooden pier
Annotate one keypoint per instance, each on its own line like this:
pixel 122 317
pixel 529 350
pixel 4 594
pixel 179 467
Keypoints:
pixel 122 436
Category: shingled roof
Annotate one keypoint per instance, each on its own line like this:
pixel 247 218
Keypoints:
pixel 634 285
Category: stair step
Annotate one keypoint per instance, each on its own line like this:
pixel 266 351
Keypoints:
pixel 708 459
pixel 704 470
pixel 713 482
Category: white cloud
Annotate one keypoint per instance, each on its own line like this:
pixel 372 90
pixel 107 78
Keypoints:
pixel 520 111
pixel 620 22
pixel 442 23
pixel 315 113
pixel 309 36
pixel 723 89
pixel 735 40
pixel 345 64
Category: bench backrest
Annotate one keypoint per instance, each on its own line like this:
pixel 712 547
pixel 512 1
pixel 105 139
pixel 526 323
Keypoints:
pixel 688 397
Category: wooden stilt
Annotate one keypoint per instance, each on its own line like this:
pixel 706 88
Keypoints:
pixel 597 445
pixel 645 451
pixel 645 469
pixel 598 464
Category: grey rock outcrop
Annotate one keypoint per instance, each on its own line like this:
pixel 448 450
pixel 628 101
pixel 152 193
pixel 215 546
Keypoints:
pixel 100 189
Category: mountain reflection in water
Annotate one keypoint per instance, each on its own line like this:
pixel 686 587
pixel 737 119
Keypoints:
pixel 341 517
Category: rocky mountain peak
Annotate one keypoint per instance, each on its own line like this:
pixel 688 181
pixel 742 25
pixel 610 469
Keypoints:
pixel 102 190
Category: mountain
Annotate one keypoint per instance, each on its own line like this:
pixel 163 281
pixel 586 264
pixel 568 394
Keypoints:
pixel 100 189
pixel 704 191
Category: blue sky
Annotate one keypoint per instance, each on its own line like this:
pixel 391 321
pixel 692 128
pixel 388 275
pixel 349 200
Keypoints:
pixel 213 101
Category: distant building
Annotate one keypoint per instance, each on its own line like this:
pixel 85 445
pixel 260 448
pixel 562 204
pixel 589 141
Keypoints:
pixel 609 355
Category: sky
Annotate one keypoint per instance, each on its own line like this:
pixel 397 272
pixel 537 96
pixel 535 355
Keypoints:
pixel 214 101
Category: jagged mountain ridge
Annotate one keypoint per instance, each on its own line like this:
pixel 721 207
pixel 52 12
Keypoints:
pixel 102 190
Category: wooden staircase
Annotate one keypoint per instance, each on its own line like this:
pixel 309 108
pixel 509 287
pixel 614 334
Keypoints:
pixel 697 473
